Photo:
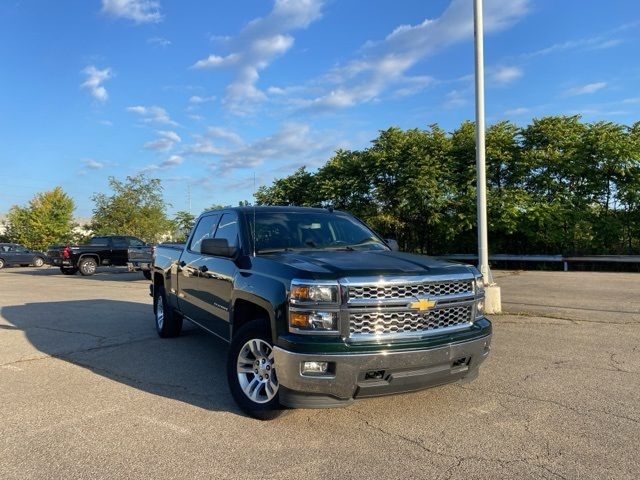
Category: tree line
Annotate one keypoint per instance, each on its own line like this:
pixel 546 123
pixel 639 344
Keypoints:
pixel 134 206
pixel 556 186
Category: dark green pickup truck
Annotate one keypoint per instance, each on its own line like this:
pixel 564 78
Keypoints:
pixel 318 309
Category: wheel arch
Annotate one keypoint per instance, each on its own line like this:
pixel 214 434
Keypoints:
pixel 95 256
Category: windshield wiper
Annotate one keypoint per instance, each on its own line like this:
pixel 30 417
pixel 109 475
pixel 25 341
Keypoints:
pixel 275 250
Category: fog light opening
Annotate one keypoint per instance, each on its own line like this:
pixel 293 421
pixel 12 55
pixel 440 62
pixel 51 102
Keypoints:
pixel 316 368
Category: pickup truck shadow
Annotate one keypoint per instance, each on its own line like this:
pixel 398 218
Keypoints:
pixel 102 274
pixel 117 340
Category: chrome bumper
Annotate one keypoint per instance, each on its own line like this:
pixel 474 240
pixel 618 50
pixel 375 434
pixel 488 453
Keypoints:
pixel 395 372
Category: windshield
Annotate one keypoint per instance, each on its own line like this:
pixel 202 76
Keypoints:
pixel 281 231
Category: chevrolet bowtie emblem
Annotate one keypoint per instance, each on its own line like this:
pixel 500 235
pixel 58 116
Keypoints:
pixel 423 304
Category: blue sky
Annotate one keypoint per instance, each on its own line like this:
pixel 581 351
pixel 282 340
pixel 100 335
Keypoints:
pixel 205 94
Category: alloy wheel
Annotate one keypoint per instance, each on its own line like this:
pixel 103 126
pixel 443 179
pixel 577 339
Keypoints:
pixel 256 371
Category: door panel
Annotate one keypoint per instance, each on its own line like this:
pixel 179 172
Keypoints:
pixel 119 250
pixel 215 280
pixel 191 300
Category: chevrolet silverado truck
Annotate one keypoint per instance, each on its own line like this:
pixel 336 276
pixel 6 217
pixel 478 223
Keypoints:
pixel 317 309
pixel 106 250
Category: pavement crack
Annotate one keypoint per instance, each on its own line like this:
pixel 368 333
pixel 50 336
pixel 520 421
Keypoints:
pixel 579 411
pixel 99 337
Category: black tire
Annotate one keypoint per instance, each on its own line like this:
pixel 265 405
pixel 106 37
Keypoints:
pixel 69 270
pixel 168 323
pixel 2 264
pixel 147 274
pixel 38 262
pixel 265 409
pixel 88 266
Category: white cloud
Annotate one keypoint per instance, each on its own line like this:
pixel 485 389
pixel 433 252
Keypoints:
pixel 152 114
pixel 94 81
pixel 92 164
pixel 159 41
pixel 165 141
pixel 517 111
pixel 385 63
pixel 586 89
pixel 197 99
pixel 256 46
pixel 225 134
pixel 294 144
pixel 140 11
pixel 172 161
pixel 504 75
pixel 455 99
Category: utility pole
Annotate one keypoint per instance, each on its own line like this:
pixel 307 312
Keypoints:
pixel 492 291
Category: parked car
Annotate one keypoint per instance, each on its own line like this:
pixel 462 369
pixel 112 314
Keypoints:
pixel 107 250
pixel 15 254
pixel 318 310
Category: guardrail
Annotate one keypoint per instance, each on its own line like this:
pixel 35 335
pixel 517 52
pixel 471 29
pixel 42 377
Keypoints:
pixel 548 258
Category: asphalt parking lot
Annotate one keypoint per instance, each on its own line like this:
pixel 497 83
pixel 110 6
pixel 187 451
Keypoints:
pixel 87 390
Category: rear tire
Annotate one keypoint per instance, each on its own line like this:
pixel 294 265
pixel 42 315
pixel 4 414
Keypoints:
pixel 168 323
pixel 88 266
pixel 147 274
pixel 2 264
pixel 38 262
pixel 251 373
pixel 69 270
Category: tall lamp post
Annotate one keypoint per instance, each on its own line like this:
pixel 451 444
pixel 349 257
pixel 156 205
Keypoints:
pixel 492 291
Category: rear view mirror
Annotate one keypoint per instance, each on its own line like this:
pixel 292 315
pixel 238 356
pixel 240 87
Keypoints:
pixel 393 244
pixel 217 247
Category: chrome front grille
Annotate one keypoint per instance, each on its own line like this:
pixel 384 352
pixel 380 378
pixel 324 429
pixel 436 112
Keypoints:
pixel 380 322
pixel 409 291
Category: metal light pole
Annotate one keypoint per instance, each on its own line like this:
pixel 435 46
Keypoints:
pixel 492 292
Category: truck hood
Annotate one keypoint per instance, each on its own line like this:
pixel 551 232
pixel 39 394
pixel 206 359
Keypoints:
pixel 367 263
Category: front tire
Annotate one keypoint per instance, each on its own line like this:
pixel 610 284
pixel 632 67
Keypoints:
pixel 168 323
pixel 69 270
pixel 2 264
pixel 38 262
pixel 88 266
pixel 251 372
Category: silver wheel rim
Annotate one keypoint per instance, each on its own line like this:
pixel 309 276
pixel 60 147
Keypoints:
pixel 159 313
pixel 39 262
pixel 1 263
pixel 256 371
pixel 89 266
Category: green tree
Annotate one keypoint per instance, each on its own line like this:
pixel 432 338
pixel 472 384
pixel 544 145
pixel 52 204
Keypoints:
pixel 299 189
pixel 46 220
pixel 184 223
pixel 135 207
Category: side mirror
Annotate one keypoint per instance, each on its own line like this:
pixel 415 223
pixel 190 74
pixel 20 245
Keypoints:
pixel 217 247
pixel 393 244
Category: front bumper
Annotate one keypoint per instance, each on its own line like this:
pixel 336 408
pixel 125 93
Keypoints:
pixel 373 374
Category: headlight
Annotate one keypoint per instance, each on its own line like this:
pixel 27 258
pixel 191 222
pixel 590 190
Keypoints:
pixel 479 288
pixel 313 307
pixel 314 293
pixel 314 321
